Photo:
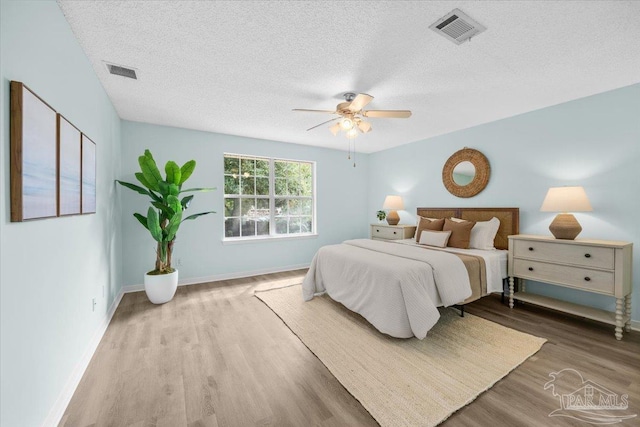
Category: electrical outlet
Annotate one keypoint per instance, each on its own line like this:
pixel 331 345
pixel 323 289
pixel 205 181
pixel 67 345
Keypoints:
pixel 93 301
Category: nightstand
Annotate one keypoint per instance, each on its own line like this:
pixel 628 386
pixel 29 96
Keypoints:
pixel 597 266
pixel 392 232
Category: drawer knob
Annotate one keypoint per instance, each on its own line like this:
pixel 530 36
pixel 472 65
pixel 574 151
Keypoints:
pixel 395 232
pixel 530 268
pixel 377 231
pixel 587 255
pixel 530 248
pixel 587 279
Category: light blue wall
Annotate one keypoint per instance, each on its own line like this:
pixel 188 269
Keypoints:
pixel 51 269
pixel 341 203
pixel 593 142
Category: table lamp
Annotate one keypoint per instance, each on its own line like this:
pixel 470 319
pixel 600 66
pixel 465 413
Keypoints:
pixel 394 203
pixel 565 200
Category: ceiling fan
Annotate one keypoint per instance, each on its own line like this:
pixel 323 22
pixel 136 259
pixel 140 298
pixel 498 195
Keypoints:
pixel 351 115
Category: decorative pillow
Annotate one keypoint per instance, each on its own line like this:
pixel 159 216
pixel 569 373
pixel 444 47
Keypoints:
pixel 434 238
pixel 483 233
pixel 460 233
pixel 425 224
pixel 489 229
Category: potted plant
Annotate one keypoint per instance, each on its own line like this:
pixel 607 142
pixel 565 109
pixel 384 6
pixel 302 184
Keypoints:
pixel 381 215
pixel 163 219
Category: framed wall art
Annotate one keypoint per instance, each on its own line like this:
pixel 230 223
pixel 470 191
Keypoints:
pixel 88 175
pixel 33 154
pixel 69 168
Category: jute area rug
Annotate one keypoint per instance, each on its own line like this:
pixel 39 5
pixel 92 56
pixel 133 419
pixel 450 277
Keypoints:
pixel 404 382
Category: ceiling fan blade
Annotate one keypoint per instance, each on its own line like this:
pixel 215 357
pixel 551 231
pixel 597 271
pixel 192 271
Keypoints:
pixel 330 120
pixel 388 114
pixel 364 126
pixel 359 102
pixel 335 129
pixel 314 111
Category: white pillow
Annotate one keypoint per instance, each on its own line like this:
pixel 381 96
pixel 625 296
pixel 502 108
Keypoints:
pixel 483 233
pixel 435 238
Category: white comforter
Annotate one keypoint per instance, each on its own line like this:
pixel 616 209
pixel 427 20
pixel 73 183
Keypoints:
pixel 391 292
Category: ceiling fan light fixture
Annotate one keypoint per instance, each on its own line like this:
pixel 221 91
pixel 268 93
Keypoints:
pixel 364 127
pixel 352 133
pixel 335 129
pixel 346 123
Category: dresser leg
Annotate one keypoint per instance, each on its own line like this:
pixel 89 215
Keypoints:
pixel 510 292
pixel 627 311
pixel 619 313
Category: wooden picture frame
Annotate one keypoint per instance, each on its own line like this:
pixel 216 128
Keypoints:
pixel 88 194
pixel 69 168
pixel 33 156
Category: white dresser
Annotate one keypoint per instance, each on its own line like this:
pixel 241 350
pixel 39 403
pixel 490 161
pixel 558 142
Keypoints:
pixel 598 266
pixel 392 232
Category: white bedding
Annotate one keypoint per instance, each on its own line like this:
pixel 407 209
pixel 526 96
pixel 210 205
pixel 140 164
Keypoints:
pixel 495 262
pixel 399 295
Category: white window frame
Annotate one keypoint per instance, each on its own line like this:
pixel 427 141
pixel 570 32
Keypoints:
pixel 272 196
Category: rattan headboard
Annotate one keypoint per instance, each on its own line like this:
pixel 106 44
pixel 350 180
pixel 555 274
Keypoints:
pixel 509 219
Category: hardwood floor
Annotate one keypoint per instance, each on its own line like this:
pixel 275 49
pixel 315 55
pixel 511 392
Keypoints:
pixel 217 356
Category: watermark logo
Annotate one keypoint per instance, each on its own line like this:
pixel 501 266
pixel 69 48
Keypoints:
pixel 586 400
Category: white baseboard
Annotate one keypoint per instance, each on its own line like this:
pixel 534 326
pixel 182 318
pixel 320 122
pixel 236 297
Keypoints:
pixel 58 408
pixel 218 277
pixel 635 325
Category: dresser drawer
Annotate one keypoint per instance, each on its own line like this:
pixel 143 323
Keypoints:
pixel 575 254
pixel 577 277
pixel 387 233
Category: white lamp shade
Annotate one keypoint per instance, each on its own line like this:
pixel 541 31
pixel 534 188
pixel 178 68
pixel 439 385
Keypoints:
pixel 566 199
pixel 393 202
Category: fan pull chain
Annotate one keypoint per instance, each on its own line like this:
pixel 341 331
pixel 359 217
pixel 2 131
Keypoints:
pixel 354 152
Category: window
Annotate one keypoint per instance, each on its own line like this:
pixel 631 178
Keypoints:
pixel 267 197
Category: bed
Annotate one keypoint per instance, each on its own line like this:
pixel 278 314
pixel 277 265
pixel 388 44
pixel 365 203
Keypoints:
pixel 398 286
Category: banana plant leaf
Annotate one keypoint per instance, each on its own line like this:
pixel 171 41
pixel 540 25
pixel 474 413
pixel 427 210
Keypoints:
pixel 186 201
pixel 153 224
pixel 186 170
pixel 164 208
pixel 142 219
pixel 150 172
pixel 140 190
pixel 172 227
pixel 194 216
pixel 173 172
pixel 203 189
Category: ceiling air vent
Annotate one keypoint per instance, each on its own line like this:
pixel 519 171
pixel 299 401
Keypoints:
pixel 119 70
pixel 457 26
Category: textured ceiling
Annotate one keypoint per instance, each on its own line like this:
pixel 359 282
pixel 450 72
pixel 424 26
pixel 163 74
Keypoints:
pixel 240 67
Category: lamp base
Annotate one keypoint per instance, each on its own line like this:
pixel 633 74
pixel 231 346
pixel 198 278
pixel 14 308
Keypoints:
pixel 393 218
pixel 565 226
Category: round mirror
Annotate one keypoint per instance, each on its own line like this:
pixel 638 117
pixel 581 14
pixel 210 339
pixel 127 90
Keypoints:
pixel 463 173
pixel 466 173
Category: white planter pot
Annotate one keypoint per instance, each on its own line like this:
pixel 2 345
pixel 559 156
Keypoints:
pixel 161 288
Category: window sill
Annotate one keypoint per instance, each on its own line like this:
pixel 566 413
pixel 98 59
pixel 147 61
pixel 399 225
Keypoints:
pixel 260 239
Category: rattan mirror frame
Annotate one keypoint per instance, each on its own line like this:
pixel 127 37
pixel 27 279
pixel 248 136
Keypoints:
pixel 480 180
